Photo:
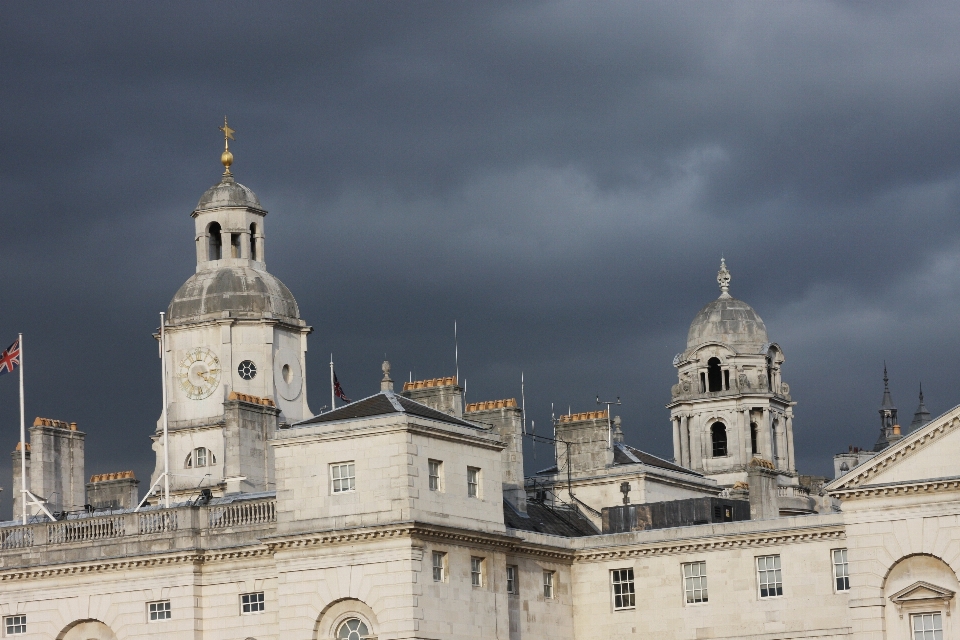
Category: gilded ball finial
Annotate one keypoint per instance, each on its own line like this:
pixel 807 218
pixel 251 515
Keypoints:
pixel 226 157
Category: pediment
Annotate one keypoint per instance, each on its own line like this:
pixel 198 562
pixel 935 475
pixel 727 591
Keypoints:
pixel 920 592
pixel 924 457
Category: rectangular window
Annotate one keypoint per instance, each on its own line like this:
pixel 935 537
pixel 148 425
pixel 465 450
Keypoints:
pixel 513 580
pixel 473 482
pixel 436 467
pixel 841 573
pixel 201 456
pixel 624 596
pixel 15 625
pixel 927 626
pixel 548 584
pixel 768 573
pixel 251 602
pixel 343 476
pixel 476 572
pixel 158 610
pixel 695 582
pixel 439 560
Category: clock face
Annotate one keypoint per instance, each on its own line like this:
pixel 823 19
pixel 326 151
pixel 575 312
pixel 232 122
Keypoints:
pixel 199 373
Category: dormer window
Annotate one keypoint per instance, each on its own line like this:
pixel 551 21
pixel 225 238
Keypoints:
pixel 215 251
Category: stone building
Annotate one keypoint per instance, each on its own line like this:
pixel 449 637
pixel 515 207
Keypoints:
pixel 407 515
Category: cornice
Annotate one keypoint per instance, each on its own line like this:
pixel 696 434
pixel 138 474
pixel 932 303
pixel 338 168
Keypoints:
pixel 763 539
pixel 406 530
pixel 899 488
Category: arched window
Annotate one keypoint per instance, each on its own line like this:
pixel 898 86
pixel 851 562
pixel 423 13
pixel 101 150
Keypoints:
pixel 718 436
pixel 216 242
pixel 714 375
pixel 352 629
pixel 754 447
pixel 200 457
pixel 253 241
pixel 234 245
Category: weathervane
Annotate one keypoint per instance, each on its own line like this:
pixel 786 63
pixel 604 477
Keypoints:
pixel 226 157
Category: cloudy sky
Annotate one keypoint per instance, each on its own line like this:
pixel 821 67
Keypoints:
pixel 560 178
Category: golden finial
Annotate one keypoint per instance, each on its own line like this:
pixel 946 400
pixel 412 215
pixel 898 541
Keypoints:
pixel 226 157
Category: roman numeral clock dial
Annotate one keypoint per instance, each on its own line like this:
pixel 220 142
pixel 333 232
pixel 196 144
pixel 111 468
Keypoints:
pixel 199 373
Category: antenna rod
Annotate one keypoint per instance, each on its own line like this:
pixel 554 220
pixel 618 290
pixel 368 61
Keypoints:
pixel 166 442
pixel 523 403
pixel 333 395
pixel 456 351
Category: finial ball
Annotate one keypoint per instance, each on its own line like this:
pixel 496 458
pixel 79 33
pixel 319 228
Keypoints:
pixel 227 159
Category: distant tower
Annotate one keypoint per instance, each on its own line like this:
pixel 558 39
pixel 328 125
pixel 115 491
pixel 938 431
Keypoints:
pixel 889 426
pixel 730 404
pixel 922 416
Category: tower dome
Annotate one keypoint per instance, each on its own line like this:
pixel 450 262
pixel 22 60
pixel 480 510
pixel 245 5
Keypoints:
pixel 228 193
pixel 728 321
pixel 241 291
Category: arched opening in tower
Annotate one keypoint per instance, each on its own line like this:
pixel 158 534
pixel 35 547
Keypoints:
pixel 714 375
pixel 216 242
pixel 718 436
pixel 253 242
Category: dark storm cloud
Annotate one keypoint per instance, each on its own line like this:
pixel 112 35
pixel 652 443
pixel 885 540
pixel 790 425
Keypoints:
pixel 560 178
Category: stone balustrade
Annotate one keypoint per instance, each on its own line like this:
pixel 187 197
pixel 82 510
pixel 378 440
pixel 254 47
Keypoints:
pixel 254 514
pixel 793 492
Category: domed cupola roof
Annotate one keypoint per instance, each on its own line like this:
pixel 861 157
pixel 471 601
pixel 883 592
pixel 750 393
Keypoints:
pixel 244 292
pixel 728 321
pixel 228 193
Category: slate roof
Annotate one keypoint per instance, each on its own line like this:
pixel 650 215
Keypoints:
pixel 625 454
pixel 542 518
pixel 381 404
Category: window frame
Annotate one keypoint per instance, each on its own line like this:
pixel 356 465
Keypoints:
pixel 15 625
pixel 254 599
pixel 157 607
pixel 549 585
pixel 351 467
pixel 699 583
pixel 621 578
pixel 846 570
pixel 937 618
pixel 435 482
pixel 442 567
pixel 474 487
pixel 513 580
pixel 476 572
pixel 778 573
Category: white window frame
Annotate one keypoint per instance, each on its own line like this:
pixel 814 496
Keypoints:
pixel 695 583
pixel 513 580
pixel 253 603
pixel 439 567
pixel 343 477
pixel 841 570
pixel 622 589
pixel 474 482
pixel 159 611
pixel 549 584
pixel 765 572
pixel 15 625
pixel 200 457
pixel 476 571
pixel 936 624
pixel 435 480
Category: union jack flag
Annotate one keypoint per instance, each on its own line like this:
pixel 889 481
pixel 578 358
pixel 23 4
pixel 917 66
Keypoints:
pixel 10 358
pixel 338 390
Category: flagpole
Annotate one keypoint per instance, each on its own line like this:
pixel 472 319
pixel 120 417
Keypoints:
pixel 333 394
pixel 23 439
pixel 166 442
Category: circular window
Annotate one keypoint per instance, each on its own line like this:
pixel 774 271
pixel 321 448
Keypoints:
pixel 247 370
pixel 352 629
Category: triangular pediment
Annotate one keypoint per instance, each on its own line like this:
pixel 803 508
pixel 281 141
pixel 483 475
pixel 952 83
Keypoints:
pixel 928 454
pixel 921 591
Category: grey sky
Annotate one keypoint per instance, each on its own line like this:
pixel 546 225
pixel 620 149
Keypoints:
pixel 560 178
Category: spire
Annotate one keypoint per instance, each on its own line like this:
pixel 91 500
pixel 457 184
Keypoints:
pixel 889 427
pixel 922 416
pixel 887 400
pixel 723 278
pixel 226 158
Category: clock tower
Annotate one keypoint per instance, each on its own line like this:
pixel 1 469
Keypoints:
pixel 235 351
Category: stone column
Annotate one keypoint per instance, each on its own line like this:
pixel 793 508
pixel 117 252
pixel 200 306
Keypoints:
pixel 260 245
pixel 696 446
pixel 677 452
pixel 789 439
pixel 763 428
pixel 685 441
pixel 226 246
pixel 782 451
pixel 744 437
pixel 245 245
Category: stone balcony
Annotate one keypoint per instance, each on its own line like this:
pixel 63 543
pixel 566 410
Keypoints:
pixel 233 521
